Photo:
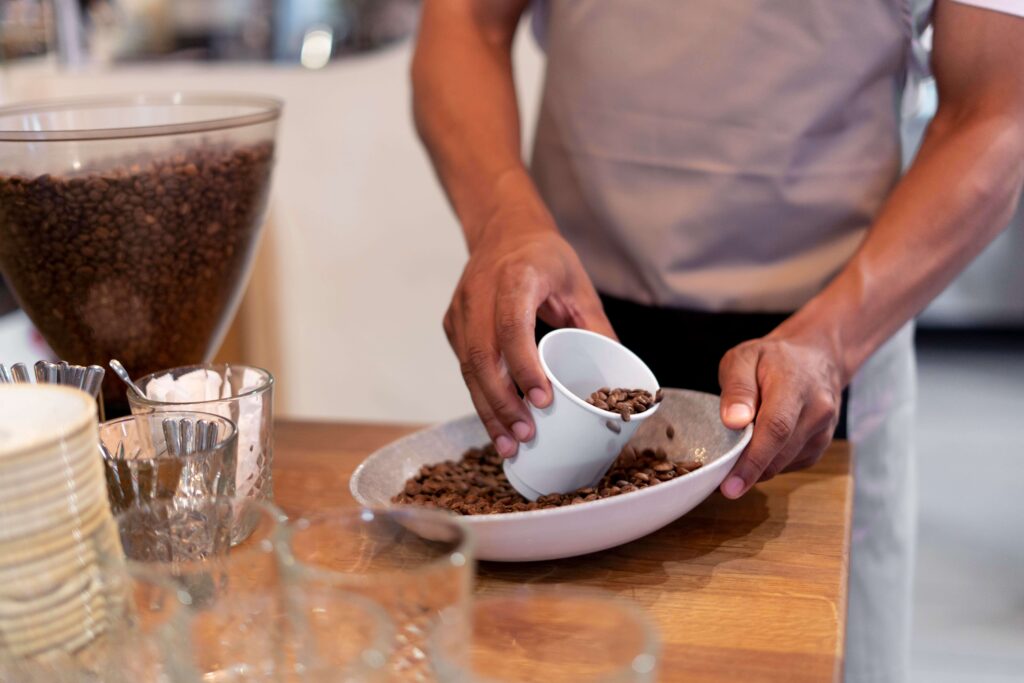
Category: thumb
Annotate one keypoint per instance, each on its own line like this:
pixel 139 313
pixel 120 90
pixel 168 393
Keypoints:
pixel 737 375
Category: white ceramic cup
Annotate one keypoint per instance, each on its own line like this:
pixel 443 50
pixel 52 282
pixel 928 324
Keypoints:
pixel 575 442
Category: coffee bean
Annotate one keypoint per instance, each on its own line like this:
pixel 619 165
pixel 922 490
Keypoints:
pixel 138 259
pixel 625 402
pixel 476 484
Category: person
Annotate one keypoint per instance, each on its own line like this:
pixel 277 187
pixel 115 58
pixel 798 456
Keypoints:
pixel 719 184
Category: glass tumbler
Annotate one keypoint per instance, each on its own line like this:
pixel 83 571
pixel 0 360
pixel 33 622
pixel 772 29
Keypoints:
pixel 138 637
pixel 166 455
pixel 242 394
pixel 235 592
pixel 554 634
pixel 322 635
pixel 416 563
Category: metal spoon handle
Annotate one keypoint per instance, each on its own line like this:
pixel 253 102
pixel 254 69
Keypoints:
pixel 122 374
pixel 21 373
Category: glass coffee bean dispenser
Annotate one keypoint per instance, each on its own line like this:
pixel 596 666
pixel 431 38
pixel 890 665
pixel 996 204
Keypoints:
pixel 128 225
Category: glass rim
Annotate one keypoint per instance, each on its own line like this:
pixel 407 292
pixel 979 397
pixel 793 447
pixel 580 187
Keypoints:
pixel 265 508
pixel 266 383
pixel 267 109
pixel 286 532
pixel 222 443
pixel 650 647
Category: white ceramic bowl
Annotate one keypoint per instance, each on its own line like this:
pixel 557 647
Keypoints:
pixel 575 529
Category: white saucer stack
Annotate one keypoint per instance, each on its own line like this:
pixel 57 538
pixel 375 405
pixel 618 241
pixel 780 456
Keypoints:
pixel 60 556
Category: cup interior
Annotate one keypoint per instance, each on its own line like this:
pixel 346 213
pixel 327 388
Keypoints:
pixel 581 362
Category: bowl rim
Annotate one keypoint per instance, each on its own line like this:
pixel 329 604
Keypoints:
pixel 267 109
pixel 472 520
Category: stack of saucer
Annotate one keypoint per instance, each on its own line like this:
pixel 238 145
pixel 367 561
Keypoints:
pixel 60 557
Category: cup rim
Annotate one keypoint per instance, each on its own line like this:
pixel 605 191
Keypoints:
pixel 267 109
pixel 286 532
pixel 651 646
pixel 561 388
pixel 45 440
pixel 267 382
pixel 222 443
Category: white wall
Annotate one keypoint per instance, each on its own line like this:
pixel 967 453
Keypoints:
pixel 362 250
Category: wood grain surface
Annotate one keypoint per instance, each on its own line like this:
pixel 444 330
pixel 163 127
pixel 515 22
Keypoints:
pixel 748 590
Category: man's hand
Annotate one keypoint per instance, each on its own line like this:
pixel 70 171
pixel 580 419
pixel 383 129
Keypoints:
pixel 791 387
pixel 519 269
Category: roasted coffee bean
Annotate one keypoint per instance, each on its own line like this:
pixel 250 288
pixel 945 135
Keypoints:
pixel 476 484
pixel 625 402
pixel 136 259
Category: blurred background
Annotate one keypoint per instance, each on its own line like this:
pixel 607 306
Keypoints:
pixel 362 252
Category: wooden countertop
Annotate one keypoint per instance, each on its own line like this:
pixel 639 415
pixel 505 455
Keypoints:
pixel 748 590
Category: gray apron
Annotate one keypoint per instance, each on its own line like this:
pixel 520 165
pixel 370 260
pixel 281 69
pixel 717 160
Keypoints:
pixel 730 155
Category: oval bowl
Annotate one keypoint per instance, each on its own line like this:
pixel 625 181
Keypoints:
pixel 574 529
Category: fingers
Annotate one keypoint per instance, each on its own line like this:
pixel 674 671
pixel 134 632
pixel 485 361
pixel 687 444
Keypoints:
pixel 594 319
pixel 811 452
pixel 774 428
pixel 516 321
pixel 502 437
pixel 737 375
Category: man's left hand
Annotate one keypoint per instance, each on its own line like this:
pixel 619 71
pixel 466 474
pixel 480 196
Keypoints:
pixel 791 388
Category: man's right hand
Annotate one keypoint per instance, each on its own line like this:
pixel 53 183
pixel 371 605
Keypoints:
pixel 520 268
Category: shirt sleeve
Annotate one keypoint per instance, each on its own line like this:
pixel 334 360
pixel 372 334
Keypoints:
pixel 1015 7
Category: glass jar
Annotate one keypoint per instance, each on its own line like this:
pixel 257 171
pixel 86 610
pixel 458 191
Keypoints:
pixel 128 224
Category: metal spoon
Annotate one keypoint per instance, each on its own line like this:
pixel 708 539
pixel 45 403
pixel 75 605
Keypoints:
pixel 93 380
pixel 21 373
pixel 185 436
pixel 122 374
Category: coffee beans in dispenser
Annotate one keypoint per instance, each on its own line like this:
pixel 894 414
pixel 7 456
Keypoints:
pixel 128 225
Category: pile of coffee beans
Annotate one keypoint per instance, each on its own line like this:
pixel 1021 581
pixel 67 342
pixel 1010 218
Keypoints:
pixel 137 259
pixel 625 402
pixel 476 484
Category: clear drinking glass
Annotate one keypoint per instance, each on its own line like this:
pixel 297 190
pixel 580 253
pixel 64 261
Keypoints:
pixel 138 637
pixel 320 634
pixel 243 394
pixel 416 563
pixel 235 592
pixel 556 635
pixel 146 458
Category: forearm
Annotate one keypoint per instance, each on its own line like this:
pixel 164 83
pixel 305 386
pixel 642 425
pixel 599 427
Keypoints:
pixel 465 108
pixel 956 197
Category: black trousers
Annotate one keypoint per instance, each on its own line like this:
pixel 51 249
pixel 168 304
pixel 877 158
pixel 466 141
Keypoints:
pixel 684 347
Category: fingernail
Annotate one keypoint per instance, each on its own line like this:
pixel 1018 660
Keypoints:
pixel 538 397
pixel 733 487
pixel 739 412
pixel 522 431
pixel 505 446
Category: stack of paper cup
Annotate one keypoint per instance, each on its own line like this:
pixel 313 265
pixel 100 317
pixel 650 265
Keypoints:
pixel 60 554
